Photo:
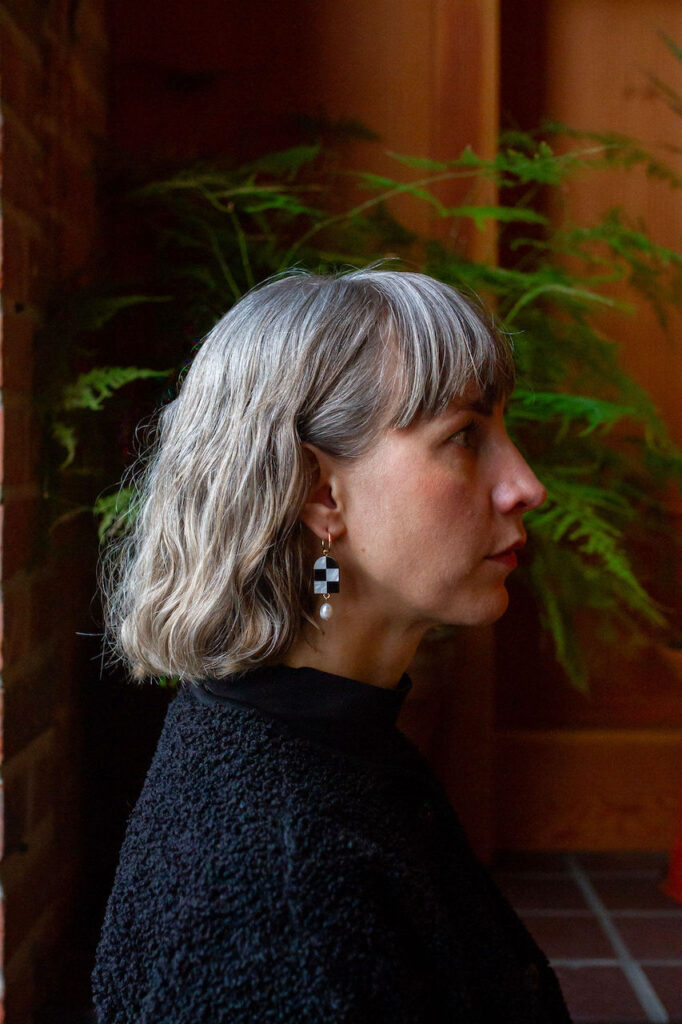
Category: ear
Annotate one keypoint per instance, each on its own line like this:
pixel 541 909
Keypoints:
pixel 322 512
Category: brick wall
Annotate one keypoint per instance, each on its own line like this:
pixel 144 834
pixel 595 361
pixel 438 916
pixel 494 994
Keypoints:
pixel 54 112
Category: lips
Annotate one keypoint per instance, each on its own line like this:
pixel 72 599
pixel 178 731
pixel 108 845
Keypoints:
pixel 507 556
pixel 516 546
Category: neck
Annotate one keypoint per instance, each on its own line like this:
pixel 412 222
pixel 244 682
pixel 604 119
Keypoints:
pixel 357 648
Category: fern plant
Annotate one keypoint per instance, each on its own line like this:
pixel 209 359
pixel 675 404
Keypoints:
pixel 590 432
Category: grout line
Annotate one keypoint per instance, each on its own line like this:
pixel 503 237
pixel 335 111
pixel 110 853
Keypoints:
pixel 644 990
pixel 641 874
pixel 595 961
pixel 551 912
pixel 510 876
pixel 663 912
pixel 651 962
pixel 556 874
pixel 573 964
pixel 532 911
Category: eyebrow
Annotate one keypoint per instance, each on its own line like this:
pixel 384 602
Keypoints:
pixel 482 405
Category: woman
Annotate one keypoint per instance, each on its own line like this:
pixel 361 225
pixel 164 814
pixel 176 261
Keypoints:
pixel 334 480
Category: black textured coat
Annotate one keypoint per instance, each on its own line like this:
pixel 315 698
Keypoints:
pixel 292 858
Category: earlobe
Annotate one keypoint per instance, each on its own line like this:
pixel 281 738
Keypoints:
pixel 321 511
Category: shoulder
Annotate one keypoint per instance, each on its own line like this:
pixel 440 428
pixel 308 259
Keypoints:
pixel 229 785
pixel 256 850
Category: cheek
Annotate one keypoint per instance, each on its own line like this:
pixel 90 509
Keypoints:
pixel 434 536
pixel 394 507
pixel 441 504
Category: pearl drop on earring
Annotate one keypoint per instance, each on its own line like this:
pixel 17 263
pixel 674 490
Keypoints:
pixel 326 610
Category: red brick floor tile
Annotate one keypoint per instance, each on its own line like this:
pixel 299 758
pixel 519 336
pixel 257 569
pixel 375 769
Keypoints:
pixel 618 893
pixel 514 861
pixel 569 937
pixel 540 893
pixel 651 937
pixel 599 994
pixel 623 860
pixel 667 982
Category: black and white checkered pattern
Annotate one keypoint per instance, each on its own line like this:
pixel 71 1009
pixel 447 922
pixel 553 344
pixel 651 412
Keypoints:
pixel 326 575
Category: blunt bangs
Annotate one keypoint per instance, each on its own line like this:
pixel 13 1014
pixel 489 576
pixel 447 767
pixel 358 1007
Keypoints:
pixel 446 345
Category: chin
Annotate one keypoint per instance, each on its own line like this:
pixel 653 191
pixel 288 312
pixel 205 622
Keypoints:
pixel 486 612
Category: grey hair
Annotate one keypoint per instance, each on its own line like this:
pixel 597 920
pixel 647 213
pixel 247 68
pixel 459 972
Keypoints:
pixel 214 576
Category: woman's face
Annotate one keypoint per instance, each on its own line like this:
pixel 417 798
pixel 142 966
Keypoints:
pixel 433 515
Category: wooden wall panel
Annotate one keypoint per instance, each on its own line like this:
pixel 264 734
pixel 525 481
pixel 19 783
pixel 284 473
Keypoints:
pixel 598 789
pixel 599 57
pixel 424 76
pixel 189 81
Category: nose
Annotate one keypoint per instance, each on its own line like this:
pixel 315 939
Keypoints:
pixel 518 489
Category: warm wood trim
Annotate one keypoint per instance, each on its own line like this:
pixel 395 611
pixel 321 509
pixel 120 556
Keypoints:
pixel 590 789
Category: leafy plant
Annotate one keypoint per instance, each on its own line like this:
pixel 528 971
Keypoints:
pixel 592 434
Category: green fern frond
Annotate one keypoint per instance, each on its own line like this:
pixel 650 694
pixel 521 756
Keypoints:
pixel 613 149
pixel 578 296
pixel 573 514
pixel 674 47
pixel 65 435
pixel 553 578
pixel 114 512
pixel 90 390
pixel 588 413
pixel 501 214
pixel 93 313
pixel 420 163
pixel 287 163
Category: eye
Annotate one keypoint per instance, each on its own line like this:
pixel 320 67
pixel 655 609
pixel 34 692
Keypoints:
pixel 466 436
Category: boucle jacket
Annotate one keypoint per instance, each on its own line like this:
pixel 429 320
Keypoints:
pixel 293 859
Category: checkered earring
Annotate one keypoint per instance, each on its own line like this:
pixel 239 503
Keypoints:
pixel 326 577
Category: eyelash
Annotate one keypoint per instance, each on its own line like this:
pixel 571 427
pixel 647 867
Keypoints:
pixel 467 432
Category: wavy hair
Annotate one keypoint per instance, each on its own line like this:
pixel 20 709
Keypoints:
pixel 213 578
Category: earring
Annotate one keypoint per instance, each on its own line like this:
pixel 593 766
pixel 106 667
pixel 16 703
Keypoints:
pixel 326 577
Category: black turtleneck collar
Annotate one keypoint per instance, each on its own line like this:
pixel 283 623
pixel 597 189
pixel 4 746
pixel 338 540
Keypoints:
pixel 308 696
pixel 354 718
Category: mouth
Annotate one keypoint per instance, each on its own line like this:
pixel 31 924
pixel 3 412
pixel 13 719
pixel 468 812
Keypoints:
pixel 507 556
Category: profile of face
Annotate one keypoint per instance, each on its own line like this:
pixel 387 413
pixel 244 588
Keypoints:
pixel 426 524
